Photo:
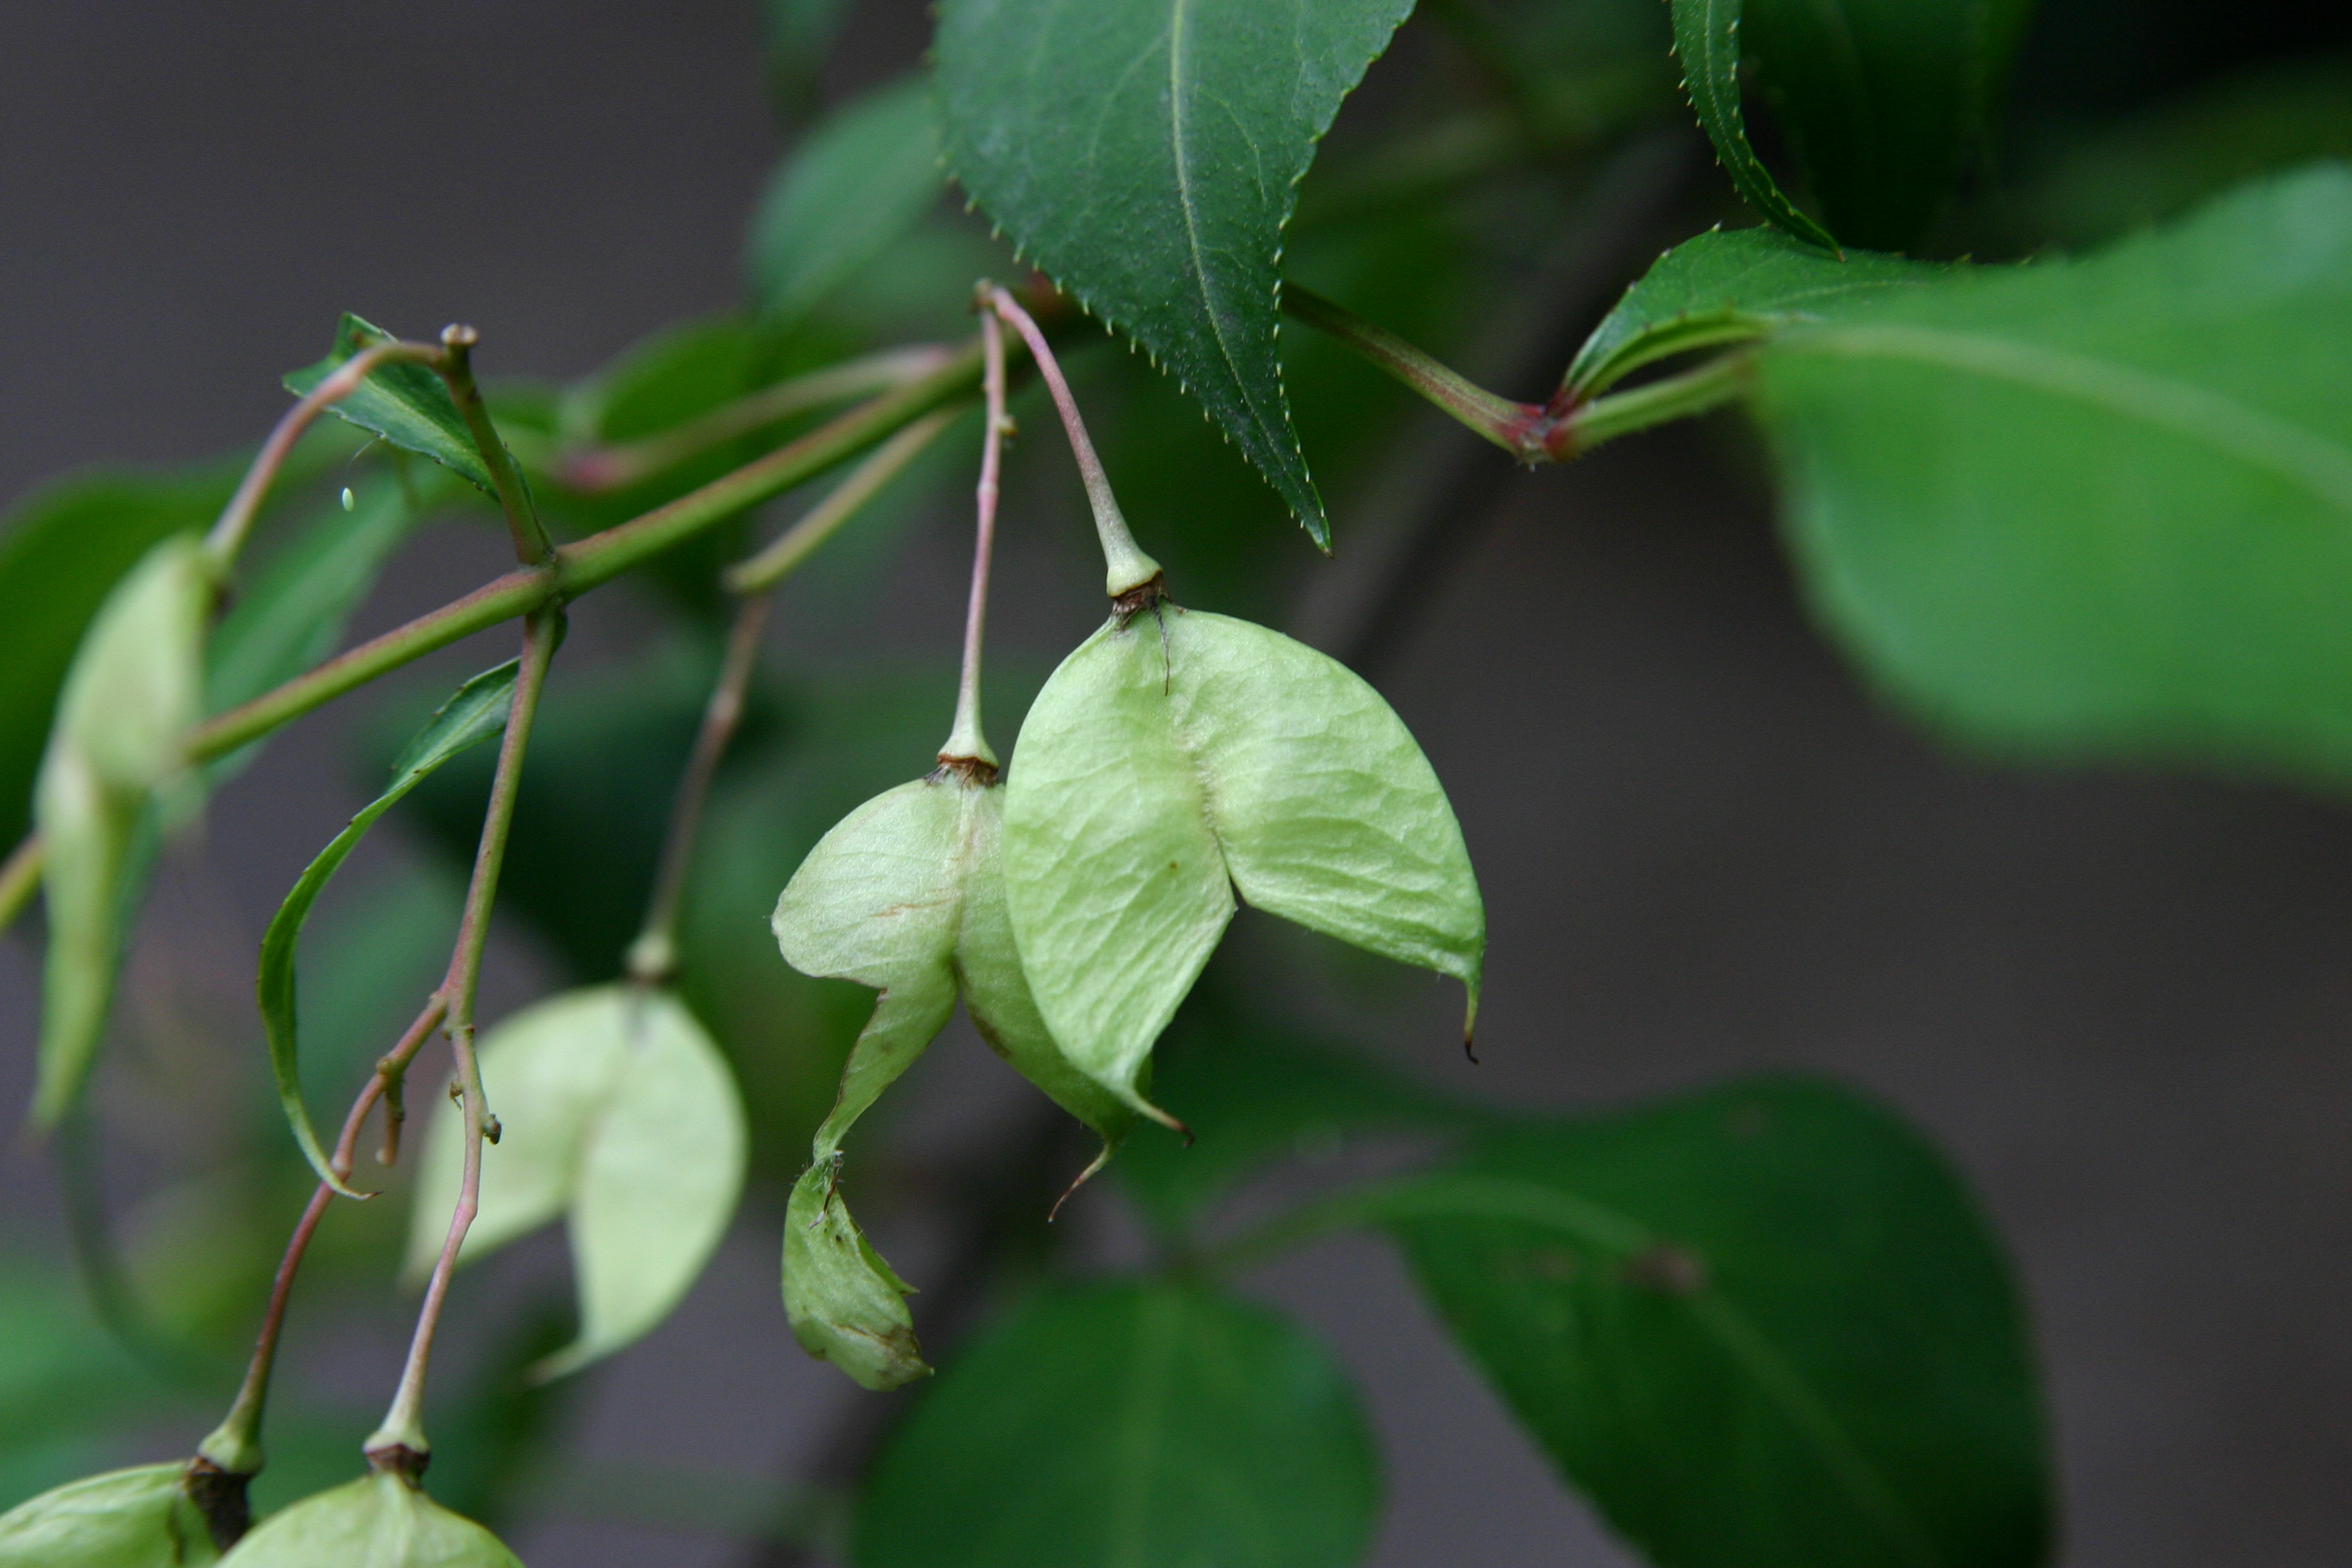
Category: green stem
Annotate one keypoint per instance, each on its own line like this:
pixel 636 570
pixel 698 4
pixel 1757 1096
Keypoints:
pixel 1127 568
pixel 1711 385
pixel 19 875
pixel 399 1444
pixel 227 536
pixel 653 957
pixel 596 469
pixel 531 544
pixel 590 563
pixel 967 745
pixel 234 1446
pixel 796 544
pixel 1498 419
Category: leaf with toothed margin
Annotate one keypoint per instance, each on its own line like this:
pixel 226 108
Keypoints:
pixel 1146 154
pixel 406 405
pixel 1731 286
pixel 905 895
pixel 1178 757
pixel 1706 36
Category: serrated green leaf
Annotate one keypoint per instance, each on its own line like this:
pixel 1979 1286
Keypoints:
pixel 407 405
pixel 616 1110
pixel 843 196
pixel 476 712
pixel 1760 1325
pixel 62 549
pixel 1731 286
pixel 1706 36
pixel 1184 755
pixel 1886 101
pixel 138 1518
pixel 658 1182
pixel 1149 1426
pixel 1146 153
pixel 2099 508
pixel 134 689
pixel 904 895
pixel 376 1521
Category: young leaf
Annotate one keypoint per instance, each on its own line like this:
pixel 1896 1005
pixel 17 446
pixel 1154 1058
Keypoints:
pixel 1731 286
pixel 1706 36
pixel 1760 1325
pixel 61 550
pixel 139 1518
pixel 407 405
pixel 616 1111
pixel 905 895
pixel 1173 759
pixel 377 1521
pixel 1885 100
pixel 1147 154
pixel 476 712
pixel 842 197
pixel 1149 1426
pixel 2096 508
pixel 134 689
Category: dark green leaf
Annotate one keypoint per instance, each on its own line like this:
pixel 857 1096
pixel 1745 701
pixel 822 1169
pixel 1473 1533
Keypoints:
pixel 1728 287
pixel 1760 1325
pixel 1885 100
pixel 1256 1093
pixel 1706 36
pixel 1148 1426
pixel 800 34
pixel 293 615
pixel 1146 153
pixel 2097 508
pixel 842 197
pixel 61 549
pixel 407 405
pixel 476 712
pixel 2159 164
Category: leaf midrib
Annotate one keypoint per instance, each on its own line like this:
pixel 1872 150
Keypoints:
pixel 2251 436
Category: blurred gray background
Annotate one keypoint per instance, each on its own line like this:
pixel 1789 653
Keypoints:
pixel 2121 1003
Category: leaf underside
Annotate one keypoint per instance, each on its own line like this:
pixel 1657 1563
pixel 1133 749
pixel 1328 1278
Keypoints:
pixel 406 405
pixel 2101 508
pixel 1146 154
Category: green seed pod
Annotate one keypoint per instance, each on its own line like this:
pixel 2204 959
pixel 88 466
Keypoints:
pixel 618 1114
pixel 377 1521
pixel 1176 757
pixel 905 895
pixel 130 1519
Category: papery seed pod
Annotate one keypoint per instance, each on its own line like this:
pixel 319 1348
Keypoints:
pixel 1177 757
pixel 905 895
pixel 380 1521
pixel 140 1518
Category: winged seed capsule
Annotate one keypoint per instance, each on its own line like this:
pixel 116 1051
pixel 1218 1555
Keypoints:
pixel 142 1518
pixel 1177 757
pixel 381 1520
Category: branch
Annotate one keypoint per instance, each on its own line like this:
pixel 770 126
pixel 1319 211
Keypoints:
pixel 398 1445
pixel 796 544
pixel 456 363
pixel 19 875
pixel 590 563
